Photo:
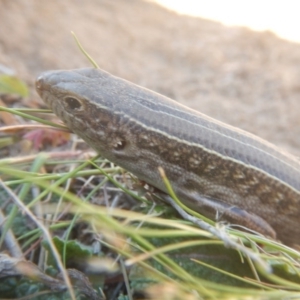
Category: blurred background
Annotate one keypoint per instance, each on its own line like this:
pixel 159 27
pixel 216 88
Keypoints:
pixel 279 16
pixel 208 56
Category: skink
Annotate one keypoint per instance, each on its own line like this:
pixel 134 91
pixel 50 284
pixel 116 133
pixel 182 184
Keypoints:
pixel 214 168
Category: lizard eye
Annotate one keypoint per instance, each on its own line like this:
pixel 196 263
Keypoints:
pixel 73 104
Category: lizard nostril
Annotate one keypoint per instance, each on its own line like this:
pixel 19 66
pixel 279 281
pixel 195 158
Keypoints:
pixel 39 82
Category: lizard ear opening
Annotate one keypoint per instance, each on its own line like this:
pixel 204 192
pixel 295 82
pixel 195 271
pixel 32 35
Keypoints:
pixel 73 104
pixel 120 145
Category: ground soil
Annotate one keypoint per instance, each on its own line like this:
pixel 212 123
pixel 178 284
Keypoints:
pixel 245 78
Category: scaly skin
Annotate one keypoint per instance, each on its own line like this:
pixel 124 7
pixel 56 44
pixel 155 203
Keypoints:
pixel 213 167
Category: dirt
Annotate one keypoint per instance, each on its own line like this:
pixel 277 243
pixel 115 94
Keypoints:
pixel 245 78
